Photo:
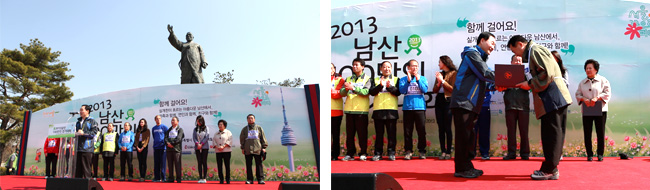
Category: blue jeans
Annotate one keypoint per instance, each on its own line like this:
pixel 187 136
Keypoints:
pixel 159 160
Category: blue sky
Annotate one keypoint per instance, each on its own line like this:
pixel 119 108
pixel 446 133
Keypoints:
pixel 119 45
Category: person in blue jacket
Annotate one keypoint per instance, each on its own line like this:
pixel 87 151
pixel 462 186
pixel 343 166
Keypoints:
pixel 467 101
pixel 127 138
pixel 159 156
pixel 482 127
pixel 413 86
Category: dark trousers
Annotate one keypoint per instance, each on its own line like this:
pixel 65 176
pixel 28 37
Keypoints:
pixel 126 158
pixel 109 166
pixel 50 162
pixel 552 139
pixel 258 167
pixel 142 162
pixel 482 128
pixel 174 162
pixel 95 164
pixel 223 157
pixel 443 118
pixel 83 165
pixel 356 123
pixel 336 136
pixel 159 162
pixel 417 118
pixel 599 122
pixel 390 126
pixel 202 161
pixel 465 140
pixel 519 118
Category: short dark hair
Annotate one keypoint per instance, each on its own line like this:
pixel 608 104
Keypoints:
pixel 86 107
pixel 484 35
pixel 412 60
pixel 516 38
pixel 250 115
pixel 361 61
pixel 175 118
pixel 593 62
pixel 225 124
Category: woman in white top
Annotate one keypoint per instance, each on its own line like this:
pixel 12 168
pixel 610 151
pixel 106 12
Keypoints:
pixel 593 89
pixel 222 141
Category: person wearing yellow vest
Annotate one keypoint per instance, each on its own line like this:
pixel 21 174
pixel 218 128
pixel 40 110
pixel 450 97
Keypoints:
pixel 109 151
pixel 337 111
pixel 413 86
pixel 96 152
pixel 385 111
pixel 356 108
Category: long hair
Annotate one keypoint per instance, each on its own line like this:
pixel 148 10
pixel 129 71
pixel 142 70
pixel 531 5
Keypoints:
pixel 142 128
pixel 558 59
pixel 448 63
pixel 200 127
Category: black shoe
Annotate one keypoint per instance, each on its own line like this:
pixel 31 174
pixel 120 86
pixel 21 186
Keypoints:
pixel 335 158
pixel 221 182
pixel 467 174
pixel 260 182
pixel 589 158
pixel 249 182
pixel 600 158
pixel 510 157
pixel 227 181
pixel 479 172
pixel 170 181
pixel 177 181
pixel 525 158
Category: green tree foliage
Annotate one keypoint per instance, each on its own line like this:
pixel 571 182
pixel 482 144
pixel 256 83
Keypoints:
pixel 224 78
pixel 296 82
pixel 31 78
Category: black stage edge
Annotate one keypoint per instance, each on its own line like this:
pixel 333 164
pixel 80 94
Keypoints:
pixel 299 186
pixel 72 183
pixel 364 181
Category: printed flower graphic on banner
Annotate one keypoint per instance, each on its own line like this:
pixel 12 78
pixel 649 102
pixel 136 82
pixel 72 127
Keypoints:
pixel 257 102
pixel 632 30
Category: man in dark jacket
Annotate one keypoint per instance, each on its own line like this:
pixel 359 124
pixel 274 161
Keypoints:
pixel 174 141
pixel 551 98
pixel 86 129
pixel 467 101
pixel 253 146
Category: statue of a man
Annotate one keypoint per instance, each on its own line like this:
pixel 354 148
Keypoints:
pixel 192 60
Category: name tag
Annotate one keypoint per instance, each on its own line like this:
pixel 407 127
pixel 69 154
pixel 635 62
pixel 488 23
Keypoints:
pixel 253 134
pixel 51 144
pixel 360 85
pixel 110 138
pixel 414 89
pixel 173 134
pixel 140 137
pixel 126 139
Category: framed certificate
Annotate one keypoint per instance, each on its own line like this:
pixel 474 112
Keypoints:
pixel 508 75
pixel 596 110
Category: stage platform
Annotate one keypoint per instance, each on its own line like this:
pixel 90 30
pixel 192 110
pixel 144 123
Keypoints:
pixel 575 172
pixel 13 182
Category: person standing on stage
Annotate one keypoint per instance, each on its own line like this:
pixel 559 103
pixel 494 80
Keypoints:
pixel 109 151
pixel 142 135
pixel 51 148
pixel 565 76
pixel 467 101
pixel 86 128
pixel 337 111
pixel 482 126
pixel 174 142
pixel 385 111
pixel 127 139
pixel 444 86
pixel 253 145
pixel 200 137
pixel 413 86
pixel 551 98
pixel 222 146
pixel 96 152
pixel 590 90
pixel 159 147
pixel 517 104
pixel 356 108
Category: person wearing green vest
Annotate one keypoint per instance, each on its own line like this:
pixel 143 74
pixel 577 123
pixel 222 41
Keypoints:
pixel 385 111
pixel 12 163
pixel 109 150
pixel 356 108
pixel 337 111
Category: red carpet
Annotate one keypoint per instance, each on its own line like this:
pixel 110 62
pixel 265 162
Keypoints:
pixel 13 182
pixel 612 173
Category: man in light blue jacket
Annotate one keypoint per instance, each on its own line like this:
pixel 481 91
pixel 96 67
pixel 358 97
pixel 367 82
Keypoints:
pixel 127 138
pixel 413 86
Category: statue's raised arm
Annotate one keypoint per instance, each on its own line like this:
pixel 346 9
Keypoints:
pixel 172 38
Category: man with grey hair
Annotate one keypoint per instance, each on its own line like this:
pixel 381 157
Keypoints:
pixel 192 60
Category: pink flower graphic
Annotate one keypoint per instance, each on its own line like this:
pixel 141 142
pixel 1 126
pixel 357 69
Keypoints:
pixel 428 143
pixel 611 142
pixel 633 30
pixel 286 171
pixel 645 138
pixel 281 166
pixel 627 138
pixel 315 168
pixel 499 137
pixel 193 168
pixel 189 173
pixel 211 175
pixel 305 173
pixel 505 138
pixel 273 169
pixel 374 137
pixel 315 174
pixel 385 140
pixel 279 174
pixel 148 172
pixel 369 142
pixel 214 169
pixel 257 102
pixel 633 145
pixel 504 147
pixel 299 167
pixel 606 138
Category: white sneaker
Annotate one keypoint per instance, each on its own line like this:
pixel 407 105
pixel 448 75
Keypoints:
pixel 362 157
pixel 45 177
pixel 408 156
pixel 348 158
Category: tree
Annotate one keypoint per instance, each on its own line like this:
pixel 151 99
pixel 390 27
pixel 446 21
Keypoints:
pixel 31 79
pixel 296 82
pixel 224 78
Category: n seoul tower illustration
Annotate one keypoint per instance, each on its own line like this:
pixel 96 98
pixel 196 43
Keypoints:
pixel 288 139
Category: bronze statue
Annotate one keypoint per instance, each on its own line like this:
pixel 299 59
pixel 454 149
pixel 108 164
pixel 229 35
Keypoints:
pixel 192 60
